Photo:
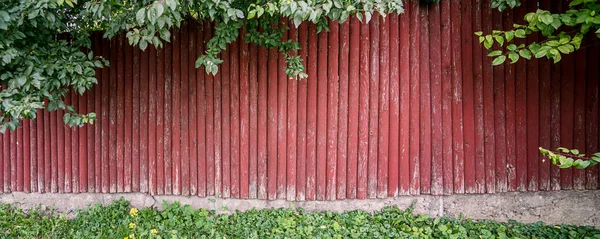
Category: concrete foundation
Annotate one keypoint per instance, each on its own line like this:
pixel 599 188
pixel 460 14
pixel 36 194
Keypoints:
pixel 557 207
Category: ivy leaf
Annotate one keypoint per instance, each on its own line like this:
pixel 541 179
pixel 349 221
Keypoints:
pixel 495 53
pixel 499 60
pixel 514 57
pixel 140 16
pixel 525 53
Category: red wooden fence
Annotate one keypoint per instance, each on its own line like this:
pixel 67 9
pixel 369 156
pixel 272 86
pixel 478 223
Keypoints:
pixel 400 106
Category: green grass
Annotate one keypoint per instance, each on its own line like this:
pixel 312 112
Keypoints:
pixel 119 220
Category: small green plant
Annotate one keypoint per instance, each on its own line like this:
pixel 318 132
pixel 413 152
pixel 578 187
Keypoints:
pixel 120 220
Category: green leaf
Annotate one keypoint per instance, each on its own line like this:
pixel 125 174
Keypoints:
pixel 499 60
pixel 140 16
pixel 495 53
pixel 500 40
pixel 520 33
pixel 514 57
pixel 143 44
pixel 509 35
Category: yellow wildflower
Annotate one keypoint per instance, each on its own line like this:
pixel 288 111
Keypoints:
pixel 154 231
pixel 133 212
pixel 131 225
pixel 125 237
pixel 131 236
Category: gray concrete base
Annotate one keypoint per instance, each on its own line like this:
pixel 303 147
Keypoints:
pixel 557 207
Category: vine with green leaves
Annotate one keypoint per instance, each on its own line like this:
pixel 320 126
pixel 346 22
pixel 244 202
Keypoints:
pixel 45 44
pixel 582 18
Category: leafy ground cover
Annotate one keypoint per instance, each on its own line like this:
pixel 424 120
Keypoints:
pixel 120 220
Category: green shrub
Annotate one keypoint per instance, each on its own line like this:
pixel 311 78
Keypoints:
pixel 119 220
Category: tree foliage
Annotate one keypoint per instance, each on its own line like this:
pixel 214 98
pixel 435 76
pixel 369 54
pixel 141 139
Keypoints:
pixel 45 44
pixel 563 34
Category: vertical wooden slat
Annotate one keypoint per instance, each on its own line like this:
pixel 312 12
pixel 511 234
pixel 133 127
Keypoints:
pixel 414 99
pixel 40 134
pixel 161 155
pixel 425 104
pixel 244 105
pixel 394 153
pixel 226 123
pixel 152 96
pixel 144 141
pixel 533 155
pixel 322 116
pixel 135 126
pixel 405 70
pixel 253 121
pixel 176 123
pixel 263 120
pixel 26 160
pixel 119 126
pixel 128 114
pixel 479 129
pixel 210 122
pixel 168 115
pixel 111 155
pixel 363 113
pixel 193 142
pixel 544 115
pixel 332 107
pixel 33 156
pixel 384 108
pixel 509 78
pixel 591 117
pixel 311 131
pixel 272 125
pixel 3 157
pixel 6 156
pixel 14 153
pixel 68 149
pixel 93 141
pixel 488 106
pixel 521 113
pixel 217 132
pixel 446 100
pixel 342 142
pixel 302 118
pixel 567 88
pixel 47 154
pixel 281 121
pixel 464 181
pixel 373 107
pixel 579 113
pixel 234 106
pixel 200 105
pixel 291 124
pixel 499 117
pixel 184 113
pixel 75 150
pixel 437 179
pixel 353 104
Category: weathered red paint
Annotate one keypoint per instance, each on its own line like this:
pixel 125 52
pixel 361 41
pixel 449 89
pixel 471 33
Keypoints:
pixel 376 117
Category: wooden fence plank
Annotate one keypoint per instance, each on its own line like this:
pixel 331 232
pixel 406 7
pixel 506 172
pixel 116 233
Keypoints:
pixel 342 143
pixel 112 134
pixel 26 160
pixel 393 152
pixel 384 108
pixel 405 71
pixel 185 116
pixel 591 109
pixel 210 123
pixel 579 113
pixel 373 107
pixel 488 107
pixel 31 184
pixel 363 117
pixel 244 117
pixel 532 115
pixel 134 128
pixel 176 149
pixel 321 165
pixel 521 113
pixel 332 108
pixel 68 153
pixel 464 182
pixel 302 118
pixel 479 129
pixel 509 78
pixel 292 125
pixel 437 177
pixel 311 131
pixel 272 125
pixel 144 131
pixel 414 99
pixel 499 116
pixel 152 96
pixel 446 100
pixel 120 106
pixel 129 112
pixel 262 126
pixel 168 119
pixel 198 175
pixel 226 125
pixel 74 150
pixel 425 104
pixel 253 121
pixel 234 106
pixel 353 104
pixel 160 120
pixel 282 156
